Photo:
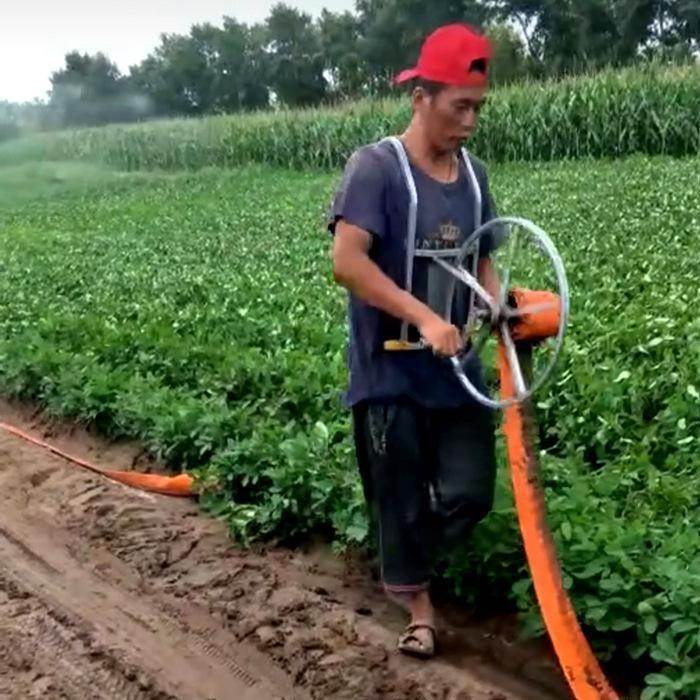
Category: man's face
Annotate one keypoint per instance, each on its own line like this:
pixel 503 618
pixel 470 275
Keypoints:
pixel 451 116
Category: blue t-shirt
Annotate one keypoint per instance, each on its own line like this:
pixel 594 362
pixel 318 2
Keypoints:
pixel 373 196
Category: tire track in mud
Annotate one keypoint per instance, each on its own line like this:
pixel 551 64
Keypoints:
pixel 73 612
pixel 205 620
pixel 43 656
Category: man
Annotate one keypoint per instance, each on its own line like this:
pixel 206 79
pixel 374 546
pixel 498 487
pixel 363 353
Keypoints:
pixel 425 448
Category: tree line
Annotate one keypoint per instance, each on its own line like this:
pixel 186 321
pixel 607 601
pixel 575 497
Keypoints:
pixel 294 60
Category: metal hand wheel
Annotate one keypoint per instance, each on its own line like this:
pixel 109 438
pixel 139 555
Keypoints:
pixel 525 259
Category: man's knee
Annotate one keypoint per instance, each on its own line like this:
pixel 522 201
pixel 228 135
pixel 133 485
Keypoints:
pixel 461 513
pixel 473 507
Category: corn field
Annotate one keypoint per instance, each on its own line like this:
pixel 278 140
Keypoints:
pixel 652 110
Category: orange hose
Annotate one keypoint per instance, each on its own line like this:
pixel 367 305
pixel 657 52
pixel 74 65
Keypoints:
pixel 582 671
pixel 182 485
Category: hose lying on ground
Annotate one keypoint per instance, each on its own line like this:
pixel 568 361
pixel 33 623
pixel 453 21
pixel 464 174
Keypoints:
pixel 181 485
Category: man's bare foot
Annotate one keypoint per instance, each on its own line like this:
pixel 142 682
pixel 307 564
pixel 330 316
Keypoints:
pixel 418 638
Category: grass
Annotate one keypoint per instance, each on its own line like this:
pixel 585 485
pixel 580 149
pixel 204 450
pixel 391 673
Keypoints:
pixel 34 180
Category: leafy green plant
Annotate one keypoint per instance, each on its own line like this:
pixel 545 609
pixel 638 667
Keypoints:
pixel 197 313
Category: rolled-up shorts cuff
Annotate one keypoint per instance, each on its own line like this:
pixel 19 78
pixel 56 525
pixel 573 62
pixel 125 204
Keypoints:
pixel 406 588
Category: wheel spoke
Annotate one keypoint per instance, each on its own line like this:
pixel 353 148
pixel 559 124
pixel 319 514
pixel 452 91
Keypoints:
pixel 512 245
pixel 461 274
pixel 513 362
pixel 531 309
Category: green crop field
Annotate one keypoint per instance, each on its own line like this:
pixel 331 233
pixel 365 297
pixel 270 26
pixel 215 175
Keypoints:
pixel 196 312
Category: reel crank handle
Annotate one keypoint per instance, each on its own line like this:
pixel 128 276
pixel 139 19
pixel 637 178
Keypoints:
pixel 404 345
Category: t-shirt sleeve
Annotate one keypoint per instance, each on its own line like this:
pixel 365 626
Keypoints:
pixel 360 198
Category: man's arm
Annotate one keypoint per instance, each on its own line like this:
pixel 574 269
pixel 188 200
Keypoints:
pixel 354 270
pixel 488 278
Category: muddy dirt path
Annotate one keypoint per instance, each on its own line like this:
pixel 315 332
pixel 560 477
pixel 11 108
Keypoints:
pixel 107 592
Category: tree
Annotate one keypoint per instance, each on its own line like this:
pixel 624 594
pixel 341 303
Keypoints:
pixel 676 27
pixel 9 122
pixel 209 71
pixel 236 67
pixel 509 62
pixel 178 76
pixel 571 35
pixel 90 90
pixel 243 67
pixel 344 65
pixel 296 57
pixel 393 31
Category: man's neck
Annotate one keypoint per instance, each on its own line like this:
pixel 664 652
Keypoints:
pixel 424 154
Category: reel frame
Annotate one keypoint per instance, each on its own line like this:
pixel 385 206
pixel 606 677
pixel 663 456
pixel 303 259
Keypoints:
pixel 498 314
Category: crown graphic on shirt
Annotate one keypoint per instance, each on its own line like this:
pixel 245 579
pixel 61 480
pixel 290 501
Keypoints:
pixel 449 232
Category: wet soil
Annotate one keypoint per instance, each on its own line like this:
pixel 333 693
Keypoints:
pixel 108 592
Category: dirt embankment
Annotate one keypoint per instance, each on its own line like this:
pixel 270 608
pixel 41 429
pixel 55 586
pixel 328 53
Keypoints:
pixel 107 592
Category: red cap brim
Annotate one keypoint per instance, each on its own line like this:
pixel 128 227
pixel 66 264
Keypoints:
pixel 406 75
pixel 470 80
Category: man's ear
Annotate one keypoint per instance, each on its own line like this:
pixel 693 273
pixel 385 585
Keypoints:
pixel 418 95
pixel 415 98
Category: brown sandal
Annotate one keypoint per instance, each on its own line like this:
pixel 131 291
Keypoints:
pixel 411 644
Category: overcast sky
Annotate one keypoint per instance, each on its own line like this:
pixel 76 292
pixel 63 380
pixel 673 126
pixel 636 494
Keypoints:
pixel 36 34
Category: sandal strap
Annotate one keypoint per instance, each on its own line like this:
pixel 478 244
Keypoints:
pixel 420 625
pixel 409 638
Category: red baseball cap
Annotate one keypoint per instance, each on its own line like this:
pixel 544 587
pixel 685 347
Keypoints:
pixel 448 56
